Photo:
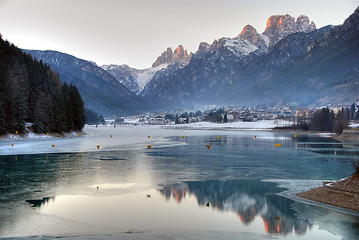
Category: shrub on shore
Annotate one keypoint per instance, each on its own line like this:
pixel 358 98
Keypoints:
pixel 356 170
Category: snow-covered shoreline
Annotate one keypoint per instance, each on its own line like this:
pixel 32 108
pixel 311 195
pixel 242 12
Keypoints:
pixel 264 125
pixel 31 135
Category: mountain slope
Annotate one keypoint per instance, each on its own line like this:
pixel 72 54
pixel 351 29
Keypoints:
pixel 137 80
pixel 101 92
pixel 328 72
pixel 126 75
pixel 289 62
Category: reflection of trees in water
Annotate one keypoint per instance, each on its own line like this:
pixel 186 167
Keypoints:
pixel 247 198
pixel 40 202
pixel 28 176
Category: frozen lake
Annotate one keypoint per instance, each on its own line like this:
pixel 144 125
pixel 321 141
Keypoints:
pixel 242 187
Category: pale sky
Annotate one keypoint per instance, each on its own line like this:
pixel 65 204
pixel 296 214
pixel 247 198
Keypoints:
pixel 136 32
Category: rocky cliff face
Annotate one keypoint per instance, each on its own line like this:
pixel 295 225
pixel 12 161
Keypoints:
pixel 169 56
pixel 250 34
pixel 280 26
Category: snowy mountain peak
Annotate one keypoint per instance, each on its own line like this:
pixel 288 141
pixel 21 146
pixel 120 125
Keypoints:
pixel 169 56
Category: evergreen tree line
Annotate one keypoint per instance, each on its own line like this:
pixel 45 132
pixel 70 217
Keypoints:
pixel 93 118
pixel 185 115
pixel 31 92
pixel 326 121
pixel 216 115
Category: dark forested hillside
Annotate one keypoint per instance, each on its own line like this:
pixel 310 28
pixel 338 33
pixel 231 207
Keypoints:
pixel 31 92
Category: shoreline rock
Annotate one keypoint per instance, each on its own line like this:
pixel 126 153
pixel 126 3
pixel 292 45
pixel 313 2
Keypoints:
pixel 343 193
pixel 348 136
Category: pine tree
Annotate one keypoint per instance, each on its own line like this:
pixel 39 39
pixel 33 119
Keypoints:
pixel 352 111
pixel 322 120
pixel 3 128
pixel 19 111
pixel 31 92
pixel 78 111
pixel 67 121
pixel 225 119
pixel 2 118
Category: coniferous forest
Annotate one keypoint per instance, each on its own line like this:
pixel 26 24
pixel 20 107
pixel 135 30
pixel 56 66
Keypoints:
pixel 31 93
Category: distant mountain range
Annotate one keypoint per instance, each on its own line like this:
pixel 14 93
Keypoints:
pixel 100 91
pixel 290 62
pixel 137 80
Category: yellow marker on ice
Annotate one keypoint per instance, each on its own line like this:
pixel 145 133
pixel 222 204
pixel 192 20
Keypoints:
pixel 47 133
pixel 295 135
pixel 277 145
pixel 182 136
pixel 12 145
pixel 79 135
pixel 16 132
pixel 52 145
pixel 98 146
pixel 208 146
pixel 218 137
pixel 149 147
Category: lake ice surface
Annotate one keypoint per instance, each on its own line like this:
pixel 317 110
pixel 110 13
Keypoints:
pixel 241 188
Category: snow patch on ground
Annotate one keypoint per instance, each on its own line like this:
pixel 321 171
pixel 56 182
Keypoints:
pixel 31 135
pixel 354 124
pixel 265 39
pixel 258 125
pixel 326 134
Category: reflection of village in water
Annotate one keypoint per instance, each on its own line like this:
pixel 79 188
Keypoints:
pixel 246 198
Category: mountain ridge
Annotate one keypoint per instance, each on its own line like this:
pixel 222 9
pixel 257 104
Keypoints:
pixel 100 90
pixel 214 69
pixel 251 67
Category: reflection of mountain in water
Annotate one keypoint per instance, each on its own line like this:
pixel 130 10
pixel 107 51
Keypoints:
pixel 247 198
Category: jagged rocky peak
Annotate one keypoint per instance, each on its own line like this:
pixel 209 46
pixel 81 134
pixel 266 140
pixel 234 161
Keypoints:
pixel 250 34
pixel 203 48
pixel 303 24
pixel 169 56
pixel 280 26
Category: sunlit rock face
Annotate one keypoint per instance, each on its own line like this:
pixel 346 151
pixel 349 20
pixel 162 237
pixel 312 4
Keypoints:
pixel 169 56
pixel 250 34
pixel 280 26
